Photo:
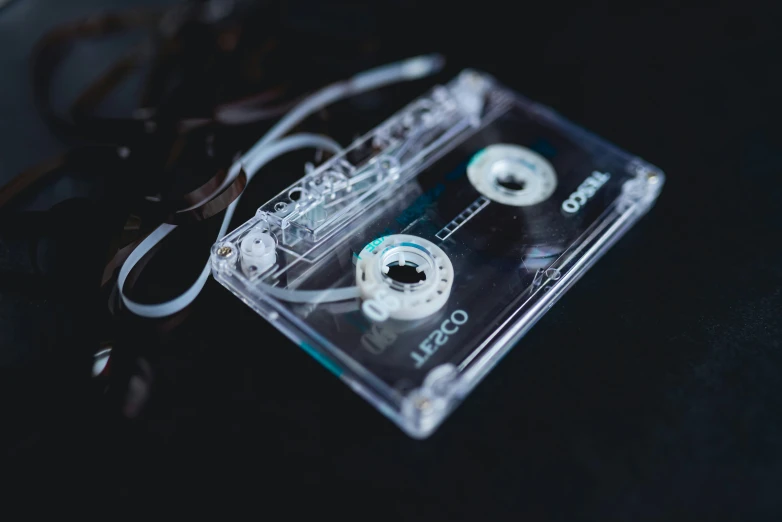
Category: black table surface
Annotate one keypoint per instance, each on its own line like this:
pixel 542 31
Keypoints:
pixel 651 391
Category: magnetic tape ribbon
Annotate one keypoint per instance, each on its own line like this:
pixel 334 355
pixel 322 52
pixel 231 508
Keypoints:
pixel 232 182
pixel 134 132
pixel 162 231
pixel 21 231
pixel 162 26
pixel 131 249
pixel 267 148
pixel 195 206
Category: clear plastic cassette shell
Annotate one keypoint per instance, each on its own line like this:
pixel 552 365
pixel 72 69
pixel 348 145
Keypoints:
pixel 410 263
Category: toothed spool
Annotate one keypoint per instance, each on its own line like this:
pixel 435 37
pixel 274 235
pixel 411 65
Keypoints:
pixel 403 300
pixel 488 167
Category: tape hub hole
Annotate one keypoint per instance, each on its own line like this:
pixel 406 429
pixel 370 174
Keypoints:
pixel 406 274
pixel 511 182
pixel 404 267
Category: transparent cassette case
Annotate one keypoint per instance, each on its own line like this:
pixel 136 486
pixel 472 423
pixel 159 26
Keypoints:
pixel 410 263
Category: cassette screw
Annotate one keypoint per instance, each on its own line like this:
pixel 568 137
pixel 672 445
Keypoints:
pixel 224 251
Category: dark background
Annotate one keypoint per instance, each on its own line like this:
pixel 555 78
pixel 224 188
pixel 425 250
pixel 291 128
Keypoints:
pixel 651 391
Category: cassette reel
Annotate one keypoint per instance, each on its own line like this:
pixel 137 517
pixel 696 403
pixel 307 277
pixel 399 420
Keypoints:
pixel 403 277
pixel 512 175
pixel 408 264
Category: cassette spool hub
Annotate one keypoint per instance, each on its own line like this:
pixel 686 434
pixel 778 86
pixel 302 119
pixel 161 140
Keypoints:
pixel 512 175
pixel 388 296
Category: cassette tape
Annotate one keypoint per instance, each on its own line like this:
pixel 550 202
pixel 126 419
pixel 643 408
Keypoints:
pixel 412 261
